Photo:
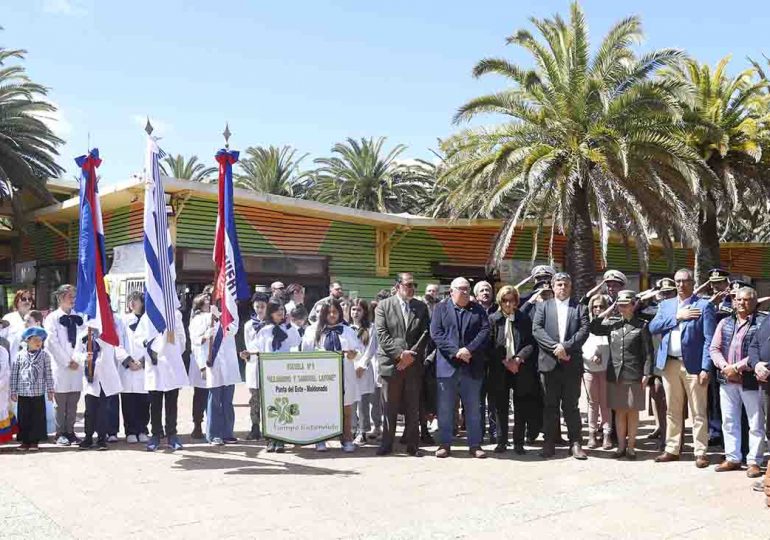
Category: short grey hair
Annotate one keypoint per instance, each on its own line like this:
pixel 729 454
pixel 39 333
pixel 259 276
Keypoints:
pixel 561 276
pixel 459 282
pixel 478 285
pixel 63 290
pixel 687 271
pixel 750 291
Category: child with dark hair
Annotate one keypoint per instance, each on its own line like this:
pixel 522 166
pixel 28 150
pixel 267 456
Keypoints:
pixel 258 320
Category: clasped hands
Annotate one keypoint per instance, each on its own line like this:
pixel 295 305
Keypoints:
pixel 763 373
pixel 513 364
pixel 561 353
pixel 405 359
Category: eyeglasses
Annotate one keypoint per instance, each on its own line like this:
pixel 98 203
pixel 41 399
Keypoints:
pixel 25 299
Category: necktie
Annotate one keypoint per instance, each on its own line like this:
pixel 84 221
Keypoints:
pixel 332 339
pixel 71 323
pixel 279 336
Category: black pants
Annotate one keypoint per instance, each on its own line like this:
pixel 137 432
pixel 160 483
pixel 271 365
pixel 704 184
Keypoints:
pixel 32 421
pixel 561 389
pixel 156 412
pixel 527 406
pixel 402 388
pixel 136 413
pixel 200 401
pixel 487 406
pixel 113 415
pixel 97 416
pixel 714 407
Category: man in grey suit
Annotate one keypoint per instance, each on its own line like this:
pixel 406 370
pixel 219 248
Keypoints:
pixel 401 321
pixel 560 327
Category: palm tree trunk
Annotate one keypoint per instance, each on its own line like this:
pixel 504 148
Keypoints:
pixel 579 253
pixel 707 253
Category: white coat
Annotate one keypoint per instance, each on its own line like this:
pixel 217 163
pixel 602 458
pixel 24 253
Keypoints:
pixel 263 342
pixel 252 364
pixel 198 327
pixel 13 333
pixel 225 370
pixel 5 384
pixel 169 373
pixel 132 381
pixel 106 376
pixel 367 360
pixel 61 350
pixel 350 342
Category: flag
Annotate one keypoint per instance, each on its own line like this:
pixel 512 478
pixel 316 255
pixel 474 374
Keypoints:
pixel 230 284
pixel 160 300
pixel 91 297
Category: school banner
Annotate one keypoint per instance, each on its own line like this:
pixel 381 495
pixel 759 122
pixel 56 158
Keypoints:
pixel 301 396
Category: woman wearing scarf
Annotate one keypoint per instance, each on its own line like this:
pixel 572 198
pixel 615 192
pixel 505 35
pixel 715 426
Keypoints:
pixel 329 333
pixel 63 326
pixel 513 365
pixel 276 335
pixel 250 331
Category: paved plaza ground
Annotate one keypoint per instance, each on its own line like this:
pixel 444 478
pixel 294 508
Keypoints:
pixel 241 491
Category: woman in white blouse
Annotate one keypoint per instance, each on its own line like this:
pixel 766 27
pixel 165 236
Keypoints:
pixel 329 333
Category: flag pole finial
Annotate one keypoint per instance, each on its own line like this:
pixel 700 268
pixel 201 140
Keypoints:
pixel 226 134
pixel 148 127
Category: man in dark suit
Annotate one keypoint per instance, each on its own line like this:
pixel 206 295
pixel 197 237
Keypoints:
pixel 759 361
pixel 460 330
pixel 401 321
pixel 560 327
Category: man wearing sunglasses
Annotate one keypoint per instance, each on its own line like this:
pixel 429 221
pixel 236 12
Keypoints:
pixel 401 322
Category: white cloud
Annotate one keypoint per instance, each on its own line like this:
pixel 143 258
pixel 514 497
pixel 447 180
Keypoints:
pixel 64 7
pixel 57 121
pixel 160 128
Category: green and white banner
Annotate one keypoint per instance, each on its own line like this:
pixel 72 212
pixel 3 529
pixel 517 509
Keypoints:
pixel 301 396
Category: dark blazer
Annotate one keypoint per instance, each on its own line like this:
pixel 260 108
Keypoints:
pixel 759 348
pixel 631 351
pixel 393 337
pixel 449 338
pixel 525 380
pixel 545 328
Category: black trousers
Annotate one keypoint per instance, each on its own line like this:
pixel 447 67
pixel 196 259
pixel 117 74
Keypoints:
pixel 32 419
pixel 527 406
pixel 714 407
pixel 561 389
pixel 487 405
pixel 97 416
pixel 136 413
pixel 156 411
pixel 402 388
pixel 200 401
pixel 113 416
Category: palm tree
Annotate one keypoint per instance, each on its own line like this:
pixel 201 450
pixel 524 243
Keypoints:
pixel 187 169
pixel 361 175
pixel 272 170
pixel 27 144
pixel 725 122
pixel 590 140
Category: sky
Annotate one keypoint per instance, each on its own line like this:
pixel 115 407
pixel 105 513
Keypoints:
pixel 305 73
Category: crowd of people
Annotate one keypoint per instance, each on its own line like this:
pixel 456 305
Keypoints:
pixel 464 362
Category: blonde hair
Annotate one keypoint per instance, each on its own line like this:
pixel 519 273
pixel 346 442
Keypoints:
pixel 603 298
pixel 505 290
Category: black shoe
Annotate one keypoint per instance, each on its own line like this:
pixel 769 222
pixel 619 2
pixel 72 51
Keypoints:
pixel 384 451
pixel 548 451
pixel 402 440
pixel 532 438
pixel 197 433
pixel 230 440
pixel 500 448
pixel 414 452
pixel 715 442
pixel 518 449
pixel 72 438
pixel 101 445
pixel 86 444
pixel 561 442
pixel 427 439
pixel 254 434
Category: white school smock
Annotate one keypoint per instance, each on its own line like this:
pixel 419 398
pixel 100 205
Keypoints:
pixel 199 324
pixel 368 360
pixel 225 370
pixel 132 381
pixel 252 364
pixel 169 373
pixel 61 350
pixel 350 342
pixel 263 342
pixel 5 384
pixel 106 376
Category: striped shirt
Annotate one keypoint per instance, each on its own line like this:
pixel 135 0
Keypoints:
pixel 31 374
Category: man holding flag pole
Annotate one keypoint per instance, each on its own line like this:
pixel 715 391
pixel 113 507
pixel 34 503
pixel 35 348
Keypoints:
pixel 160 331
pixel 220 361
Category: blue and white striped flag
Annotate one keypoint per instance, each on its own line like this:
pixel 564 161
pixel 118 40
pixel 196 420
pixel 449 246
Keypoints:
pixel 160 299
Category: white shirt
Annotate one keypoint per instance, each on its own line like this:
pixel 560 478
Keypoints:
pixel 562 311
pixel 404 310
pixel 58 345
pixel 675 337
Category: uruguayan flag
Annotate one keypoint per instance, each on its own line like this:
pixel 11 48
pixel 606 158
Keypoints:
pixel 160 298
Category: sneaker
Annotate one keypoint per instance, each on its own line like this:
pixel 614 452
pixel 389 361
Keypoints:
pixel 63 441
pixel 112 438
pixel 216 441
pixel 279 447
pixel 229 440
pixel 348 447
pixel 73 439
pixel 321 447
pixel 101 445
pixel 153 444
pixel 132 439
pixel 197 433
pixel 174 443
pixel 86 444
pixel 270 446
pixel 143 438
pixel 33 447
pixel 359 440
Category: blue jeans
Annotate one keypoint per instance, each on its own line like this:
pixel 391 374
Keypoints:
pixel 470 393
pixel 220 413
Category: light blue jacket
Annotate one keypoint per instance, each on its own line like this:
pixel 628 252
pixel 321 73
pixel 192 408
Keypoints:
pixel 696 334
